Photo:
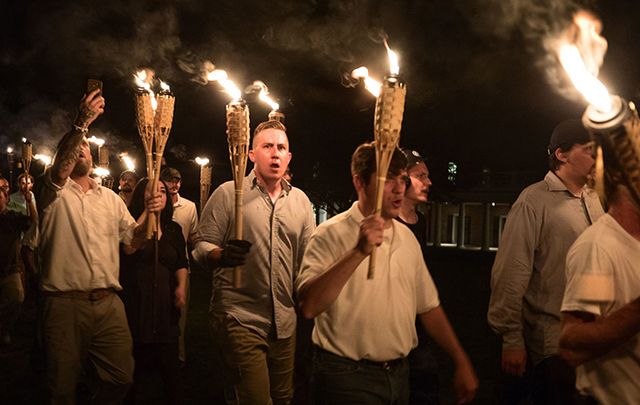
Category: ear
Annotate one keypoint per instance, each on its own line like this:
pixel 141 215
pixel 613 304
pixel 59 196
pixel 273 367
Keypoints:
pixel 358 183
pixel 252 157
pixel 561 156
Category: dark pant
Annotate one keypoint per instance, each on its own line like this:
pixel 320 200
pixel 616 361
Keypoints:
pixel 338 380
pixel 154 358
pixel 550 382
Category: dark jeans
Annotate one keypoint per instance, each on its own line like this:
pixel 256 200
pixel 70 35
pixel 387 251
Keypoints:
pixel 338 380
pixel 550 382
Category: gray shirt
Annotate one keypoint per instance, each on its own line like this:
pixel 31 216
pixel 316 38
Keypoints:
pixel 279 232
pixel 528 276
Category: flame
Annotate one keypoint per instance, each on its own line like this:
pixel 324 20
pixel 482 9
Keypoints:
pixel 221 77
pixel 24 140
pixel 202 161
pixel 164 87
pixel 370 84
pixel 143 81
pixel 101 171
pixel 264 95
pixel 128 162
pixel 581 52
pixel 96 141
pixel 46 159
pixel 9 149
pixel 394 66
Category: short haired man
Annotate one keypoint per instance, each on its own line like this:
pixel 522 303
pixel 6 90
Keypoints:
pixel 82 225
pixel 186 215
pixel 12 226
pixel 367 326
pixel 601 306
pixel 126 183
pixel 528 278
pixel 254 325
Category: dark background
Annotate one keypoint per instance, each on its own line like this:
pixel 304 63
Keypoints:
pixel 479 92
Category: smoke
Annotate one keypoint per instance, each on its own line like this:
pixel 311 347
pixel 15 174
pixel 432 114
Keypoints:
pixel 540 23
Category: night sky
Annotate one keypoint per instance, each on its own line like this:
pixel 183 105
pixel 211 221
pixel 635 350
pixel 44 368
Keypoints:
pixel 478 92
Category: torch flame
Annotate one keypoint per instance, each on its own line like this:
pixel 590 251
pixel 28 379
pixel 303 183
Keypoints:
pixel 143 81
pixel 46 159
pixel 394 66
pixel 264 95
pixel 164 87
pixel 128 162
pixel 370 84
pixel 221 77
pixel 581 53
pixel 9 149
pixel 202 161
pixel 24 140
pixel 96 141
pixel 101 171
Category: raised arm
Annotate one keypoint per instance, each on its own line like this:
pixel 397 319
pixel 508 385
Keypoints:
pixel 91 106
pixel 320 292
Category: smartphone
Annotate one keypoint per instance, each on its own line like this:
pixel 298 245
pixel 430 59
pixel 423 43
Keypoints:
pixel 93 84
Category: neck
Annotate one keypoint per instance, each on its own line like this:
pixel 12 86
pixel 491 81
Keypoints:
pixel 84 181
pixel 273 186
pixel 626 213
pixel 408 211
pixel 573 184
pixel 367 209
pixel 174 198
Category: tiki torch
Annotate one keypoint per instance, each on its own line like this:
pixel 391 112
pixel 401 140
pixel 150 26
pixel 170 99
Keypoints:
pixel 612 122
pixel 146 105
pixel 205 180
pixel 27 154
pixel 387 123
pixel 163 121
pixel 238 140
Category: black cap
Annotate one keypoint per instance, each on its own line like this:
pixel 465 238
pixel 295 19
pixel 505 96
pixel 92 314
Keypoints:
pixel 413 158
pixel 566 134
pixel 135 175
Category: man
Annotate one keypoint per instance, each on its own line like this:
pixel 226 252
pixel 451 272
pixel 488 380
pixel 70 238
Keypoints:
pixel 601 305
pixel 81 228
pixel 186 215
pixel 126 184
pixel 528 278
pixel 422 364
pixel 18 203
pixel 254 324
pixel 12 225
pixel 364 329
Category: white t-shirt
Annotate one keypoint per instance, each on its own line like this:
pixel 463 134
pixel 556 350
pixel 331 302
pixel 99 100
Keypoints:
pixel 370 319
pixel 603 274
pixel 186 215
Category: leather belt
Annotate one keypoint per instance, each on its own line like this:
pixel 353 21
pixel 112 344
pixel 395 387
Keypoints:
pixel 93 295
pixel 386 365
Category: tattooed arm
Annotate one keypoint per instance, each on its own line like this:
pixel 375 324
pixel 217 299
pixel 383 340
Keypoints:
pixel 91 106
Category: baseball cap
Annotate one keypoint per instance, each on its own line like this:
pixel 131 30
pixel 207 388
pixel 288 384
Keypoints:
pixel 566 134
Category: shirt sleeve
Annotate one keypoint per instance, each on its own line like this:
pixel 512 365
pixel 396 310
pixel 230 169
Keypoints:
pixel 511 273
pixel 214 225
pixel 426 291
pixel 321 252
pixel 590 286
pixel 308 228
pixel 126 223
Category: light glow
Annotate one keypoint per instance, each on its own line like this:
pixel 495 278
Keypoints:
pixel 129 163
pixel 264 95
pixel 202 161
pixel 101 171
pixel 394 66
pixel 221 77
pixel 9 149
pixel 370 84
pixel 96 141
pixel 46 159
pixel 143 81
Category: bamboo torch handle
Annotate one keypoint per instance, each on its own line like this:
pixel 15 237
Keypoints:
pixel 237 271
pixel 152 216
pixel 379 194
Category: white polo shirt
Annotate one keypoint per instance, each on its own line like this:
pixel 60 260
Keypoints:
pixel 186 215
pixel 370 319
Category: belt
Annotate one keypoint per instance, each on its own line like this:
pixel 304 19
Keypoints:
pixel 386 365
pixel 93 295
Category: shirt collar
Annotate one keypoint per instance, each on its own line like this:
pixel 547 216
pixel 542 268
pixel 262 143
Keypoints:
pixel 93 185
pixel 179 202
pixel 253 180
pixel 554 182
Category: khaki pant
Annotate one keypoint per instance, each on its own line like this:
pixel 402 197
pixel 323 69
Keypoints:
pixel 259 370
pixel 79 329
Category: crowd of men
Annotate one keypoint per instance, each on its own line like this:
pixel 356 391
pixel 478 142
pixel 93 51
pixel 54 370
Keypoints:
pixel 368 342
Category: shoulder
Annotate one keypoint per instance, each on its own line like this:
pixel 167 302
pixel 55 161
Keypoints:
pixel 298 194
